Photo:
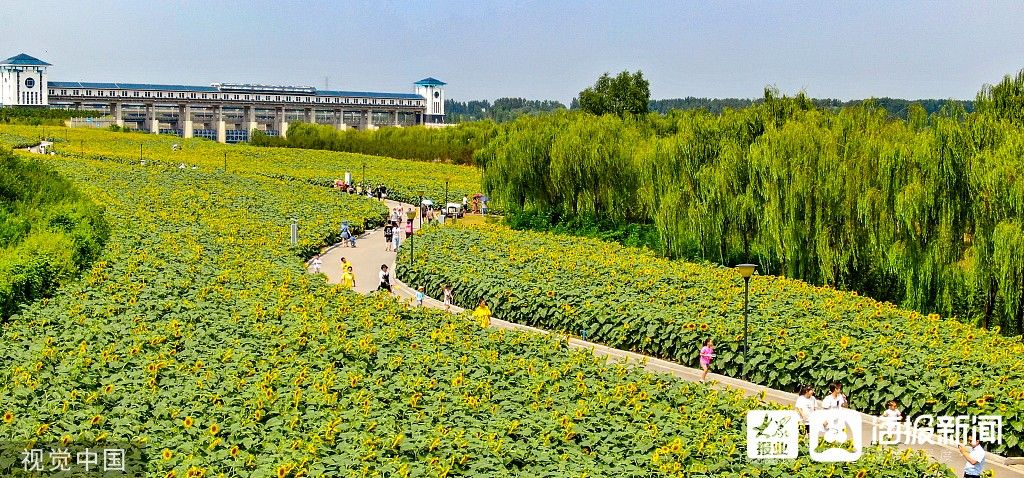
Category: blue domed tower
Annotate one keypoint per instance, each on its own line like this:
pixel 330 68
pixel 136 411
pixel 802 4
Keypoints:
pixel 432 90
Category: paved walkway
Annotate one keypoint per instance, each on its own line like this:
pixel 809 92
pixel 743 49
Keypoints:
pixel 369 254
pixel 366 258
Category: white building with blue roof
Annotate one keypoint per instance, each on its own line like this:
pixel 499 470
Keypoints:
pixel 23 81
pixel 226 112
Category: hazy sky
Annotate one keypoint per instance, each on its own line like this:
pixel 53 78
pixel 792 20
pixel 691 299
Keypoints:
pixel 539 50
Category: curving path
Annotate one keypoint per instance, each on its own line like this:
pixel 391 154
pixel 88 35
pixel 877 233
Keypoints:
pixel 369 254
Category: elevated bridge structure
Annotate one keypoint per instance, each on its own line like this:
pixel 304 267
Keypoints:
pixel 225 112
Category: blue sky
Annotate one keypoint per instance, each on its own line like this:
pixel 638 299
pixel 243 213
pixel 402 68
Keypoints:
pixel 539 50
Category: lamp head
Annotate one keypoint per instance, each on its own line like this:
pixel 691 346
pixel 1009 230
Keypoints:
pixel 411 214
pixel 746 270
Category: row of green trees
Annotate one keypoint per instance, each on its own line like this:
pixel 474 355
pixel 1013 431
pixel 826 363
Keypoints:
pixel 42 116
pixel 48 232
pixel 895 107
pixel 927 212
pixel 450 145
pixel 503 109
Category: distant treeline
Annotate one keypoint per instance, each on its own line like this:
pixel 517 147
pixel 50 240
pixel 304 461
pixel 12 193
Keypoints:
pixel 503 109
pixel 451 145
pixel 41 116
pixel 895 107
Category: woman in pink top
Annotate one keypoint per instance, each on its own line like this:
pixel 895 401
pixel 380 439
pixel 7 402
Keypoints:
pixel 706 354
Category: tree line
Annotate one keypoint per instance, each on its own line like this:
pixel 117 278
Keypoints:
pixel 503 109
pixel 451 145
pixel 926 211
pixel 894 107
pixel 42 115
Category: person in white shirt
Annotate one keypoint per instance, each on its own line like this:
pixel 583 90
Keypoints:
pixel 889 421
pixel 835 429
pixel 835 397
pixel 317 262
pixel 805 404
pixel 974 455
pixel 447 298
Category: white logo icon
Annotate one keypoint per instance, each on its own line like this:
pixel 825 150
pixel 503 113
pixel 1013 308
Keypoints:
pixel 836 435
pixel 773 434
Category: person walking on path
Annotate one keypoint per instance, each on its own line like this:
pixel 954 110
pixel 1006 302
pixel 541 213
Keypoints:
pixel 835 431
pixel 396 238
pixel 385 279
pixel 805 405
pixel 389 236
pixel 482 314
pixel 889 420
pixel 420 296
pixel 345 264
pixel 317 264
pixel 707 352
pixel 447 298
pixel 973 455
pixel 348 278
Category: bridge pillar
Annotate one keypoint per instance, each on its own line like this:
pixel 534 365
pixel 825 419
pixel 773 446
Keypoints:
pixel 339 120
pixel 282 122
pixel 117 112
pixel 369 120
pixel 218 119
pixel 250 120
pixel 152 123
pixel 185 121
pixel 310 115
pixel 396 119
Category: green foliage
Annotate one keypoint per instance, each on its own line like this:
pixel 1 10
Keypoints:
pixel 42 115
pixel 503 109
pixel 920 212
pixel 48 232
pixel 895 107
pixel 625 94
pixel 1004 100
pixel 451 145
pixel 628 298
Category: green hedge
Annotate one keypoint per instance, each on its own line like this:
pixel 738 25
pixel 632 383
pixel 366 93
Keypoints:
pixel 48 232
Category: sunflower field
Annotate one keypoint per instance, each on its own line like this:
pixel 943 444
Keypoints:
pixel 198 337
pixel 799 333
pixel 405 179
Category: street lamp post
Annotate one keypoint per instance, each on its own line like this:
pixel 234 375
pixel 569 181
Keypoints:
pixel 745 270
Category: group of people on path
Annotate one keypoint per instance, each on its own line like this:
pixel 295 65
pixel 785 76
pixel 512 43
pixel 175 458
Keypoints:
pixel 834 431
pixel 380 191
pixel 392 234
